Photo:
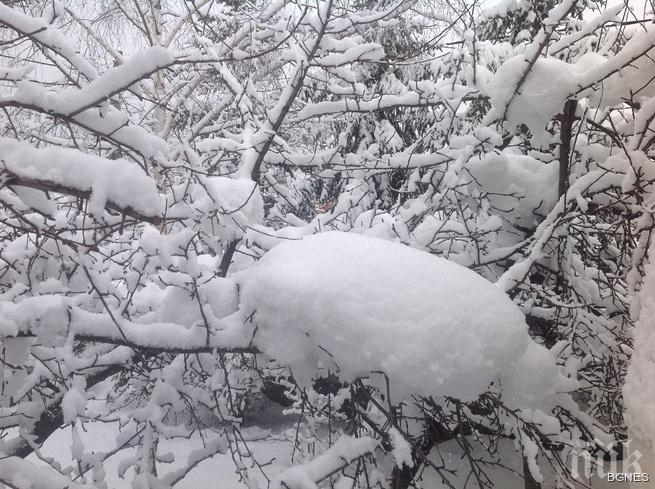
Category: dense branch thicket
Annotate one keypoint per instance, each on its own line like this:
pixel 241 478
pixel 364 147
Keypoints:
pixel 152 149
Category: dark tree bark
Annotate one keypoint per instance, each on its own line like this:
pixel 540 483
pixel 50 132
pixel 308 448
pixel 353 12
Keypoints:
pixel 434 434
pixel 566 133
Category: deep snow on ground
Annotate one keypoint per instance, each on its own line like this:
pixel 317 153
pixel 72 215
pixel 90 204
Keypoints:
pixel 219 472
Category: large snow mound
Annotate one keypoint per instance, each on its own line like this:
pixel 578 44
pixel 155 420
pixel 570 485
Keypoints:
pixel 357 304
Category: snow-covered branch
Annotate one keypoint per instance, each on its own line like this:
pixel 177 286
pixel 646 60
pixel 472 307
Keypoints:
pixel 116 184
pixel 338 456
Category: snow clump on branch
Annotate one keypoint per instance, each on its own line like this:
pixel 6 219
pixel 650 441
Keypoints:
pixel 357 304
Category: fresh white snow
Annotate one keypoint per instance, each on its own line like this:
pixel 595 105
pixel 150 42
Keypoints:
pixel 639 390
pixel 118 182
pixel 357 304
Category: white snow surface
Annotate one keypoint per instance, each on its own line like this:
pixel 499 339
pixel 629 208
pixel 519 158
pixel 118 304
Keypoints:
pixel 550 81
pixel 21 474
pixel 116 181
pixel 639 390
pixel 219 471
pixel 359 304
pixel 543 95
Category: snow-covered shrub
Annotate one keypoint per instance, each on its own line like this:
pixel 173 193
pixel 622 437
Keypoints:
pixel 164 167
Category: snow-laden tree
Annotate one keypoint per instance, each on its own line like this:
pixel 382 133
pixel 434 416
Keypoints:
pixel 164 166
